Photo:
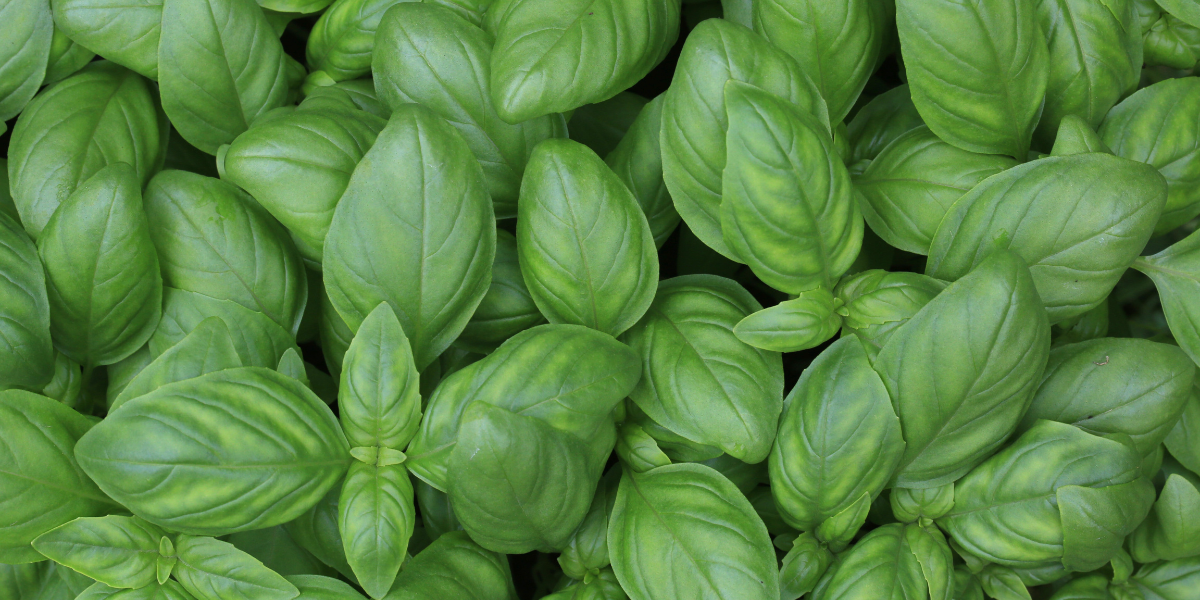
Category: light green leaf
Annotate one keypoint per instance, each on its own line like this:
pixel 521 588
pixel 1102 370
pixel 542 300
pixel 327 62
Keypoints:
pixel 27 29
pixel 453 566
pixel 1176 274
pixel 26 352
pixel 988 335
pixel 585 247
pixel 316 587
pixel 342 40
pixel 376 518
pixel 880 121
pixel 66 57
pixel 879 303
pixel 118 551
pixel 1170 580
pixel 1076 136
pixel 437 272
pixel 803 322
pixel 259 341
pixel 124 32
pixel 1170 531
pixel 210 569
pixel 186 455
pixel 507 308
pixel 102 272
pixel 637 160
pixel 1183 442
pixel 587 549
pixel 378 400
pixel 977 71
pixel 556 55
pixel 220 67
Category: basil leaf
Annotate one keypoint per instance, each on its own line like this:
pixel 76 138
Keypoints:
pixel 453 566
pixel 210 569
pixel 507 308
pixel 880 121
pixel 376 518
pixel 126 33
pixel 259 341
pixel 27 28
pixel 26 351
pixel 208 348
pixel 1176 274
pixel 342 40
pixel 118 551
pixel 637 160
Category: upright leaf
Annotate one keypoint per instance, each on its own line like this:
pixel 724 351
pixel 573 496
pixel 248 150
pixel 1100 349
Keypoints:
pixel 102 272
pixel 208 348
pixel 977 70
pixel 554 55
pixel 229 451
pixel 880 121
pixel 989 337
pixel 220 67
pixel 376 519
pixel 585 247
pixel 379 400
pixel 1170 531
pixel 436 273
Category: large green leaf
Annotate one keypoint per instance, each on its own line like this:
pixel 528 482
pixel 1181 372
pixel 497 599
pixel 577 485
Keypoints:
pixel 1160 125
pixel 220 67
pixel 379 402
pixel 210 569
pixel 507 309
pixel 342 40
pixel 124 32
pixel 1017 508
pixel 376 518
pixel 298 166
pixel 788 209
pixel 228 451
pixel 836 43
pixel 977 70
pixel 1176 275
pixel 1095 59
pixel 119 551
pixel 893 561
pixel 453 566
pixel 988 336
pixel 27 29
pixel 26 351
pixel 637 160
pixel 694 120
pixel 36 462
pixel 911 185
pixel 102 115
pixel 207 348
pixel 1076 256
pixel 213 239
pixel 431 56
pixel 259 341
pixel 437 271
pixel 838 438
pixel 556 55
pixel 568 376
pixel 585 247
pixel 1112 385
pixel 698 379
pixel 102 272
pixel 685 531
pixel 1170 580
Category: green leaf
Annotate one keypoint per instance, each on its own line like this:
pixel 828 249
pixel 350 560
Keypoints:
pixel 210 569
pixel 880 121
pixel 26 351
pixel 518 484
pixel 587 549
pixel 694 116
pixel 341 41
pixel 118 551
pixel 1095 59
pixel 1111 385
pixel 1187 11
pixel 1003 584
pixel 433 57
pixel 67 384
pixel 637 450
pixel 879 303
pixel 259 341
pixel 66 57
pixel 357 94
pixel 987 333
pixel 883 562
pixel 213 239
pixel 568 376
pixel 555 55
pixel 803 322
pixel 803 565
pixel 101 115
pixel 126 33
pixel 698 379
pixel 186 456
pixel 1076 136
pixel 317 532
pixel 1006 510
pixel 335 335
pixel 102 273
pixel 601 586
pixel 376 518
pixel 292 365
pixel 433 276
pixel 911 185
pixel 1170 531
pixel 1183 442
pixel 788 209
pixel 837 42
pixel 978 72
pixel 637 160
pixel 909 505
pixel 21 582
pixel 1176 273
pixel 1132 129
pixel 220 67
pixel 27 29
pixel 585 247
pixel 507 308
pixel 1170 580
pixel 168 591
pixel 36 462
pixel 601 126
pixel 379 402
pixel 453 566
pixel 297 167
pixel 687 518
pixel 1075 256
pixel 838 438
pixel 316 587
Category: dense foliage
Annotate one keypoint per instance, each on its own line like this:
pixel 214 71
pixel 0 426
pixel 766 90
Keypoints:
pixel 599 299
